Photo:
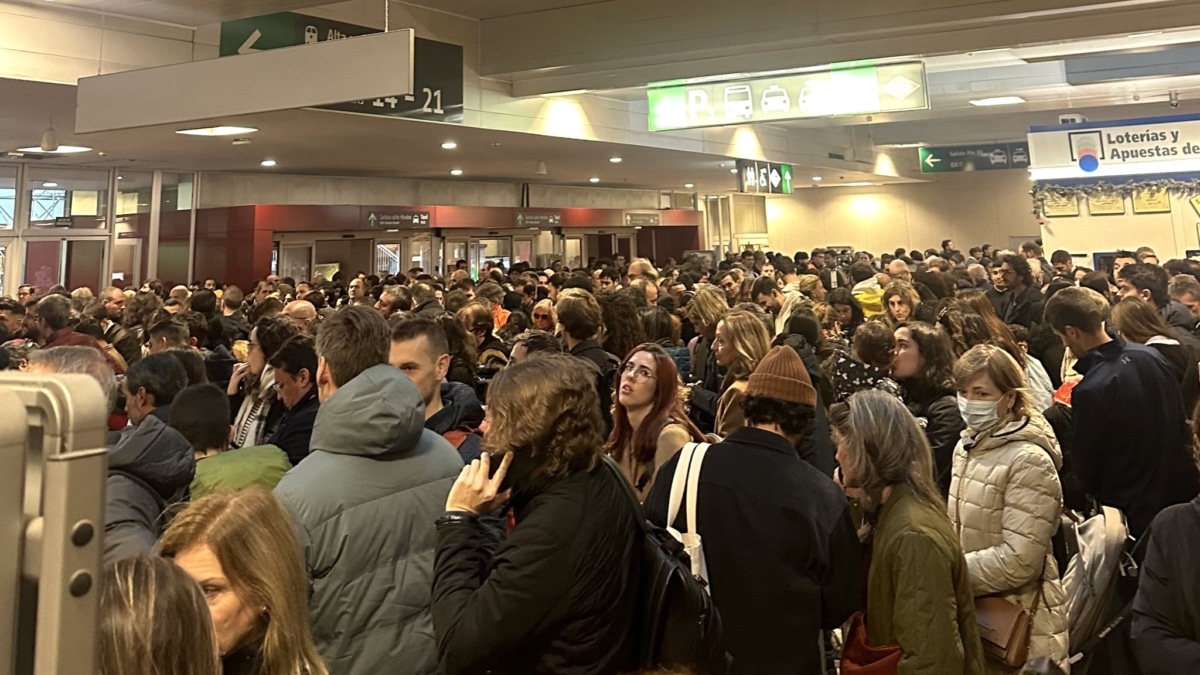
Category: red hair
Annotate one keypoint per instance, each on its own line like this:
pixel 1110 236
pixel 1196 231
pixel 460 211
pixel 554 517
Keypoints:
pixel 665 408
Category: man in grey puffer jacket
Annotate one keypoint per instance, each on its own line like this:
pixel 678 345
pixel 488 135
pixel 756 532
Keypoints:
pixel 365 501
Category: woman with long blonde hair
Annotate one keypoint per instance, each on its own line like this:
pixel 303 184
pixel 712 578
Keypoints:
pixel 153 619
pixel 741 342
pixel 241 548
pixel 544 316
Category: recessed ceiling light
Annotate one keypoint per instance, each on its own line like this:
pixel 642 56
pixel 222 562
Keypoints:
pixel 241 141
pixel 615 160
pixel 593 179
pixel 733 171
pixel 60 150
pixel 688 185
pixel 857 184
pixel 120 177
pixel 449 145
pixel 998 100
pixel 818 178
pixel 49 184
pixel 268 162
pixel 217 131
pixel 456 172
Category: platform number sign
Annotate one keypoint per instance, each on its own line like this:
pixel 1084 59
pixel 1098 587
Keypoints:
pixel 437 66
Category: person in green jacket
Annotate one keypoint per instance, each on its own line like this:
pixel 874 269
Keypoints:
pixel 918 588
pixel 201 414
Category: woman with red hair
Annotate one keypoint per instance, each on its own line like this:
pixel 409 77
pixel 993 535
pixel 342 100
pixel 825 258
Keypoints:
pixel 649 422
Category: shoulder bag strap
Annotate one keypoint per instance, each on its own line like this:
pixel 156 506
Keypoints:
pixel 693 485
pixel 679 482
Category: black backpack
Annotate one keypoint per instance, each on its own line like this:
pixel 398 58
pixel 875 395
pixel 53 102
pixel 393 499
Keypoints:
pixel 678 623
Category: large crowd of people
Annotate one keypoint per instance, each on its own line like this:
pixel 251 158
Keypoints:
pixel 423 473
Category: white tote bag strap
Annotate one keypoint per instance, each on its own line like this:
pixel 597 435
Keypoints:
pixel 679 482
pixel 693 485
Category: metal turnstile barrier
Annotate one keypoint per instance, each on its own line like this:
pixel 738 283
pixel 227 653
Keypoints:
pixel 53 468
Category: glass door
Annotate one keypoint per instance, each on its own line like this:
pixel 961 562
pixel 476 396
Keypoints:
pixel 573 252
pixel 296 262
pixel 68 262
pixel 421 253
pixel 387 258
pixel 524 250
pixel 454 249
pixel 493 250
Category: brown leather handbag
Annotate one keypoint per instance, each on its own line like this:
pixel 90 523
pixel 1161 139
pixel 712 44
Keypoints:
pixel 1005 627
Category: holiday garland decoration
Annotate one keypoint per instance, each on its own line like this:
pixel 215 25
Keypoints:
pixel 1041 191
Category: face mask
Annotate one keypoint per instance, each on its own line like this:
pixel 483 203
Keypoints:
pixel 979 415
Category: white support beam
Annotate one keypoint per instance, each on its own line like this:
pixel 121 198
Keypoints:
pixel 335 71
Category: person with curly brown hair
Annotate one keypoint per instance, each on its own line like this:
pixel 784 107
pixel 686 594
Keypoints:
pixel 560 593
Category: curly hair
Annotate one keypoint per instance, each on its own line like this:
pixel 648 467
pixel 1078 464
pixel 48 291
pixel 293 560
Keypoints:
pixel 547 408
pixel 794 419
pixel 622 329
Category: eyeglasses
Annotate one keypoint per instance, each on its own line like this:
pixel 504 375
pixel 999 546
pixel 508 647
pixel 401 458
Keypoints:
pixel 640 373
pixel 538 315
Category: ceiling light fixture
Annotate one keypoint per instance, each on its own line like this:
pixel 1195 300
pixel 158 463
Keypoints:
pixel 541 168
pixel 50 185
pixel 60 150
pixel 456 172
pixel 615 160
pixel 858 184
pixel 241 141
pixel 449 145
pixel 120 177
pixel 997 100
pixel 733 171
pixel 593 179
pixel 217 131
pixel 268 163
pixel 689 185
pixel 817 179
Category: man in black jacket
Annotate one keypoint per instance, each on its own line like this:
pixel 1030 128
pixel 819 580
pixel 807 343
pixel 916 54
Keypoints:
pixel 114 332
pixel 295 364
pixel 1166 636
pixel 1023 305
pixel 1132 447
pixel 1150 283
pixel 581 321
pixel 783 558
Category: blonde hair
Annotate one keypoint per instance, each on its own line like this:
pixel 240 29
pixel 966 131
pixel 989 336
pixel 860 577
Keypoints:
pixel 886 448
pixel 546 304
pixel 153 619
pixel 808 283
pixel 1004 372
pixel 749 338
pixel 254 539
pixel 707 307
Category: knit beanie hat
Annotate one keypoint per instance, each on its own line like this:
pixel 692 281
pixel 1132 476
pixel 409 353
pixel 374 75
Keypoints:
pixel 782 375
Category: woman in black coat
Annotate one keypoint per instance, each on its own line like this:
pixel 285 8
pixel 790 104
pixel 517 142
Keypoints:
pixel 559 595
pixel 923 365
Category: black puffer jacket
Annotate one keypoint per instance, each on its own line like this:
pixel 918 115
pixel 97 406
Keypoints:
pixel 150 467
pixel 558 596
pixel 936 411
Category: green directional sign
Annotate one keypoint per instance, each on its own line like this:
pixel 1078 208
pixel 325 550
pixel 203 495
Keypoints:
pixel 764 178
pixel 988 157
pixel 437 66
pixel 863 90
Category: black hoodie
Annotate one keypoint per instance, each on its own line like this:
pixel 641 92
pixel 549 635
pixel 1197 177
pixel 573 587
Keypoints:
pixel 149 468
pixel 460 411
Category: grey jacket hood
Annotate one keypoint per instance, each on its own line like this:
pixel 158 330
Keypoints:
pixel 376 413
pixel 157 454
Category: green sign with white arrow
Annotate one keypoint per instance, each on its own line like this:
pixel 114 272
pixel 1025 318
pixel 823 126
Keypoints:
pixel 764 178
pixel 991 157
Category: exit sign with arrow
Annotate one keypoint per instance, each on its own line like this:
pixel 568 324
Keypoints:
pixel 990 157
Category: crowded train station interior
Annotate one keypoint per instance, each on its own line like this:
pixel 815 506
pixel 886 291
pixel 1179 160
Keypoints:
pixel 691 337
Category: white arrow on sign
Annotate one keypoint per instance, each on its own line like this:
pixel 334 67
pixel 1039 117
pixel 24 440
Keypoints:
pixel 248 46
pixel 373 220
pixel 931 160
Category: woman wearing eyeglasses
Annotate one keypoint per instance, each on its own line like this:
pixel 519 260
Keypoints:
pixel 649 422
pixel 544 317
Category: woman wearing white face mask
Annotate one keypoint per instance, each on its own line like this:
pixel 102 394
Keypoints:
pixel 1005 497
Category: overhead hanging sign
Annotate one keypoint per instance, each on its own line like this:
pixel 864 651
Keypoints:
pixel 437 93
pixel 764 178
pixel 538 218
pixel 987 157
pixel 854 91
pixel 1153 145
pixel 385 219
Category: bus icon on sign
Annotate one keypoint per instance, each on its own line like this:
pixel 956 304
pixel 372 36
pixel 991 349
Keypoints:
pixel 739 102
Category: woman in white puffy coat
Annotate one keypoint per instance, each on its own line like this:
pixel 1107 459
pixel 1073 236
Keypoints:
pixel 1005 497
